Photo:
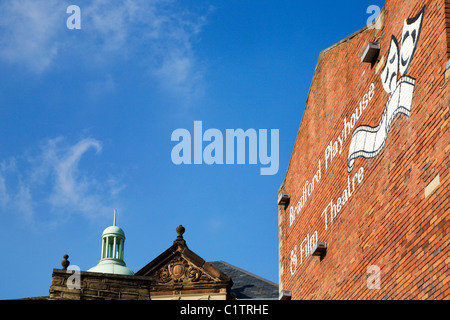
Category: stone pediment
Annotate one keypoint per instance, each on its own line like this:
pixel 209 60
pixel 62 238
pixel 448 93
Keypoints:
pixel 178 265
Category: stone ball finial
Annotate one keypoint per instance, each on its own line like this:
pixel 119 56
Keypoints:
pixel 65 263
pixel 180 231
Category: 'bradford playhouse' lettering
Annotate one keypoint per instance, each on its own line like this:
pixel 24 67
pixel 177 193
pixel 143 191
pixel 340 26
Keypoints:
pixel 333 150
pixel 213 153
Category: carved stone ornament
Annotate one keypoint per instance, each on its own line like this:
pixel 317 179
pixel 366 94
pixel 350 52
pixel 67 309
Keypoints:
pixel 180 271
pixel 163 275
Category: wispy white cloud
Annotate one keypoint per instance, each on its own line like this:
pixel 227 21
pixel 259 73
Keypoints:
pixel 28 32
pixel 5 167
pixel 4 197
pixel 68 189
pixel 53 180
pixel 157 34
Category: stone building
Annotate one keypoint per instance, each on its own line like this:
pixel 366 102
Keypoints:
pixel 364 207
pixel 176 274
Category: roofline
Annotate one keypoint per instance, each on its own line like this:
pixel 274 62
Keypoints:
pixel 245 271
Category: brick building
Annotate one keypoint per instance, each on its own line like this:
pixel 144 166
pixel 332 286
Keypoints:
pixel 364 208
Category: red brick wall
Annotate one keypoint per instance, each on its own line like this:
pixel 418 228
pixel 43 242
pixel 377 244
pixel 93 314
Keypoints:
pixel 387 221
pixel 447 14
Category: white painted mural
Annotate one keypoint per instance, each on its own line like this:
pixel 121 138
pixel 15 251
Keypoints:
pixel 368 141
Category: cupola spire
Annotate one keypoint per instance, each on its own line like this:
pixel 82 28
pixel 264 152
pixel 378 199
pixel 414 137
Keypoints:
pixel 113 241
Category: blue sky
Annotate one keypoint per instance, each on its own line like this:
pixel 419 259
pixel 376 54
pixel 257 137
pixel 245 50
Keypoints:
pixel 86 118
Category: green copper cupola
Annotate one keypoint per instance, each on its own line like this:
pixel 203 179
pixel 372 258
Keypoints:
pixel 113 241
